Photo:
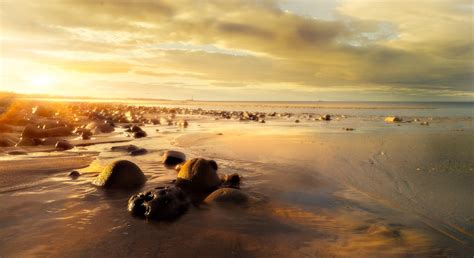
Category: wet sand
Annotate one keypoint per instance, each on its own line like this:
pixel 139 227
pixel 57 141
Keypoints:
pixel 381 190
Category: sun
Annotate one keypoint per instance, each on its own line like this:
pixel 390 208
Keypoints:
pixel 41 81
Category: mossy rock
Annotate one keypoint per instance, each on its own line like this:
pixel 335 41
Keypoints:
pixel 120 174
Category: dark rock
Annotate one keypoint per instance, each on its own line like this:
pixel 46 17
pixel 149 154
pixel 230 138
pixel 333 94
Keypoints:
pixel 124 148
pixel 139 134
pixel 159 204
pixel 74 174
pixel 17 153
pixel 63 145
pixel 137 152
pixel 172 158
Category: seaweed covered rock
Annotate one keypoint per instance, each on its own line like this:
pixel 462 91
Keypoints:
pixel 159 204
pixel 120 174
pixel 199 175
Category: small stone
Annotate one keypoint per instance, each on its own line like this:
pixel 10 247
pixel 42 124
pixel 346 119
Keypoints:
pixel 63 145
pixel 140 134
pixel 138 152
pixel 172 158
pixel 74 174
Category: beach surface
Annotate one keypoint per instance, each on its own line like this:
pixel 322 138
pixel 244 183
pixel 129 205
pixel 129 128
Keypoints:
pixel 381 189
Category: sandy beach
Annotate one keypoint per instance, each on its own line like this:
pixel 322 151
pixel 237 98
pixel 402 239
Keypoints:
pixel 316 188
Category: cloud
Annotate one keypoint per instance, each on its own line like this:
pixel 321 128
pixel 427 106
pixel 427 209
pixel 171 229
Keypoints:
pixel 425 46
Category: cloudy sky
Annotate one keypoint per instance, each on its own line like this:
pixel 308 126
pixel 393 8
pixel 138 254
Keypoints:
pixel 239 50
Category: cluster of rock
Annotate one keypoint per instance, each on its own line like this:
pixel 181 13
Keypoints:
pixel 197 182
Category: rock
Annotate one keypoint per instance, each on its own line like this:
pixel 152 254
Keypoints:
pixel 159 204
pixel 86 135
pixel 199 175
pixel 125 148
pixel 227 195
pixel 134 129
pixel 392 119
pixel 348 129
pixel 137 152
pixel 31 131
pixel 231 180
pixel 63 145
pixel 172 158
pixel 74 174
pixel 140 134
pixel 120 174
pixel 297 121
pixel 182 123
pixel 7 140
pixel 17 153
pixel 100 127
pixel 51 141
pixel 424 123
pixel 28 142
pixel 325 117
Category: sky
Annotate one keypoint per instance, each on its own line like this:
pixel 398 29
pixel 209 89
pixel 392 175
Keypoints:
pixel 301 50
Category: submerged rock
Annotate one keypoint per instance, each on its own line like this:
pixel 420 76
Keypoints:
pixel 199 175
pixel 231 180
pixel 159 204
pixel 120 174
pixel 227 195
pixel 125 148
pixel 172 158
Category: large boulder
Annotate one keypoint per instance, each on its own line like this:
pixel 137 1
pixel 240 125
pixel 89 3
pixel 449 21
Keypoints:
pixel 120 174
pixel 199 175
pixel 227 195
pixel 159 204
pixel 172 158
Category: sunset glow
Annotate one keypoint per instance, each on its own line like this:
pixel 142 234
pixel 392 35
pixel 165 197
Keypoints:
pixel 240 50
